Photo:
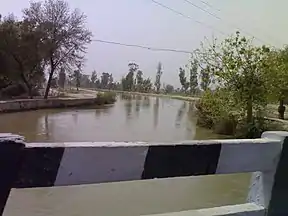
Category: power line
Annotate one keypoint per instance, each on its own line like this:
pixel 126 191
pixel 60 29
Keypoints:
pixel 209 5
pixel 218 10
pixel 188 17
pixel 202 9
pixel 143 47
pixel 219 18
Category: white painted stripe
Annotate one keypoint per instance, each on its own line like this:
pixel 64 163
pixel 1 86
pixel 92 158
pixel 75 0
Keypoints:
pixel 247 209
pixel 243 143
pixel 249 157
pixel 96 165
pixel 236 156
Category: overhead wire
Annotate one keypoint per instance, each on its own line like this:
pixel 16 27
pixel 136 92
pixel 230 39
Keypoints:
pixel 229 24
pixel 219 10
pixel 188 17
pixel 167 49
pixel 209 5
pixel 143 47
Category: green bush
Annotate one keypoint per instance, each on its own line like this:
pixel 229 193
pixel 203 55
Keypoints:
pixel 256 128
pixel 106 97
pixel 215 111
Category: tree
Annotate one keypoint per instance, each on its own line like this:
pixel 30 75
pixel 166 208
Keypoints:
pixel 129 79
pixel 193 76
pixel 147 85
pixel 104 80
pixel 241 70
pixel 22 47
pixel 183 80
pixel 77 78
pixel 278 61
pixel 65 34
pixel 139 81
pixel 158 77
pixel 205 78
pixel 110 81
pixel 62 78
pixel 93 78
pixel 169 89
pixel 85 80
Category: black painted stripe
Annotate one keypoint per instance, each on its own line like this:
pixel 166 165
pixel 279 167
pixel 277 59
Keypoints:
pixel 10 154
pixel 279 194
pixel 39 167
pixel 181 160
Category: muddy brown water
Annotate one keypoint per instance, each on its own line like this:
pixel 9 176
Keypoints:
pixel 131 118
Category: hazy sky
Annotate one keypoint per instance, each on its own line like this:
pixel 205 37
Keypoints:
pixel 146 23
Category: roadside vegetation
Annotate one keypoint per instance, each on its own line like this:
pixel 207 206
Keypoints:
pixel 247 78
pixel 106 98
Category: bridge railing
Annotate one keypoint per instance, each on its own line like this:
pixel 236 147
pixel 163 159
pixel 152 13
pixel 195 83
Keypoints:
pixel 28 165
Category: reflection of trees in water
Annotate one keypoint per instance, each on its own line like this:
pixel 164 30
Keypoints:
pixel 102 110
pixel 191 110
pixel 156 112
pixel 128 108
pixel 191 121
pixel 180 114
pixel 146 102
pixel 186 115
pixel 124 96
pixel 138 104
pixel 75 117
pixel 46 128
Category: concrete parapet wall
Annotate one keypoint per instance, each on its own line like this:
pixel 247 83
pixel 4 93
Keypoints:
pixel 33 104
pixel 35 165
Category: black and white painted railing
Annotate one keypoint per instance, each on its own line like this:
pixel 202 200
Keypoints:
pixel 26 165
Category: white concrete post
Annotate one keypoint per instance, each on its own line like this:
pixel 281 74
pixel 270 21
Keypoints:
pixel 269 188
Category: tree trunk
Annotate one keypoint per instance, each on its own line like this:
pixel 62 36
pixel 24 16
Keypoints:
pixel 281 109
pixel 28 86
pixel 49 83
pixel 249 111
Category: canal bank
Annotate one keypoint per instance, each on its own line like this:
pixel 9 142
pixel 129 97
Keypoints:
pixel 177 97
pixel 35 104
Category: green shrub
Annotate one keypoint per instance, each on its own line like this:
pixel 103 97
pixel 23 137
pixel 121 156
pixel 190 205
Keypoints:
pixel 106 97
pixel 215 111
pixel 256 128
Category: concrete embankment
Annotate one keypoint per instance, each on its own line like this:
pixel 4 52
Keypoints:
pixel 34 104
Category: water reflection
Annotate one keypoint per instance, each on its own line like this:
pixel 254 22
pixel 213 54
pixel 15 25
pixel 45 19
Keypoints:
pixel 146 102
pixel 128 108
pixel 156 112
pixel 138 100
pixel 180 114
pixel 46 128
pixel 102 110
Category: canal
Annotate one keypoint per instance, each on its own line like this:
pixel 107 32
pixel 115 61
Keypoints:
pixel 131 118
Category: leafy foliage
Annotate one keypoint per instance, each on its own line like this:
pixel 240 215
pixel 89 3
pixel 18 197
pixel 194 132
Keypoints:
pixel 158 77
pixel 65 35
pixel 243 78
pixel 193 76
pixel 183 80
